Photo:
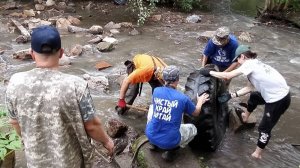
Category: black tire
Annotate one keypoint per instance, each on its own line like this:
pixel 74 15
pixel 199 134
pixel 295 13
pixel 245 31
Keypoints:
pixel 213 120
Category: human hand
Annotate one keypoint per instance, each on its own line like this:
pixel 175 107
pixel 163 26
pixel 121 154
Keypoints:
pixel 203 98
pixel 122 103
pixel 109 145
pixel 205 71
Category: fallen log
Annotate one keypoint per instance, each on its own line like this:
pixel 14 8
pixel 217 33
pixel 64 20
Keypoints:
pixel 22 29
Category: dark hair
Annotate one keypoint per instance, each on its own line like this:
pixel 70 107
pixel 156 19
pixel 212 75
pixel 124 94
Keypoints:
pixel 250 54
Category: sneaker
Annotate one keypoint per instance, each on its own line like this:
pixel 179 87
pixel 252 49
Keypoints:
pixel 169 155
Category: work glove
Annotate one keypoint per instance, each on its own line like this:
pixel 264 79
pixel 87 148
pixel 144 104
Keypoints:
pixel 205 71
pixel 225 97
pixel 122 103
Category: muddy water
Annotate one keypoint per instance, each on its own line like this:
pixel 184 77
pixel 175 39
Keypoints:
pixel 177 44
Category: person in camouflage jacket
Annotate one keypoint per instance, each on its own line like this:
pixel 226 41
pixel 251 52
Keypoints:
pixel 52 111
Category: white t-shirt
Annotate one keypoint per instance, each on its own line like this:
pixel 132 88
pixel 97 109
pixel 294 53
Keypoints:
pixel 266 80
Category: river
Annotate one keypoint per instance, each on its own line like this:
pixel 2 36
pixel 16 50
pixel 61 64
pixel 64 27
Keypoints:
pixel 176 43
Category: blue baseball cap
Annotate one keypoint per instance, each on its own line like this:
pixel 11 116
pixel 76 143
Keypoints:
pixel 45 40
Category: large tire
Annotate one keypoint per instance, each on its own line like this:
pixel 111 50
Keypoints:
pixel 213 120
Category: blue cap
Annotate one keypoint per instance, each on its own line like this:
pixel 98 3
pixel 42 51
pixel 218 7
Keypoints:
pixel 45 40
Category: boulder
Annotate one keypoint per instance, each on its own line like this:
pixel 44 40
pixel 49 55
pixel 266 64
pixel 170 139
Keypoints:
pixel 63 23
pixel 105 46
pixel 22 54
pixel 96 29
pixel 74 20
pixel 64 60
pixel 193 19
pixel 76 50
pixel 39 7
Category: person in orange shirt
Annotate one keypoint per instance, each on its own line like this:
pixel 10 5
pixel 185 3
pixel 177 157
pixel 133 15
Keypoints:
pixel 143 68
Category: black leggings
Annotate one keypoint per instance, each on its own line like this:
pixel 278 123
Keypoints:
pixel 272 113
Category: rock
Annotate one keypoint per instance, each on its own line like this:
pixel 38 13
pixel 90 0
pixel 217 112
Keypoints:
pixel 17 14
pixel 102 65
pixel 96 29
pixel 114 31
pixel 105 46
pixel 99 83
pixel 73 20
pixel 88 48
pixel 126 24
pixel 96 40
pixel 75 29
pixel 156 18
pixel 10 6
pixel 245 36
pixel 76 50
pixel 112 25
pixel 110 40
pixel 193 19
pixel 62 5
pixel 50 3
pixel 22 54
pixel 63 23
pixel 64 60
pixel 116 128
pixel 33 23
pixel 134 32
pixel 1 51
pixel 39 7
pixel 22 39
pixel 29 13
pixel 205 36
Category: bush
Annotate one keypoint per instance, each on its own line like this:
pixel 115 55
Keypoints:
pixel 9 140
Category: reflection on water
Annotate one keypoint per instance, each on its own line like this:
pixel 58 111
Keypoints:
pixel 177 44
pixel 247 7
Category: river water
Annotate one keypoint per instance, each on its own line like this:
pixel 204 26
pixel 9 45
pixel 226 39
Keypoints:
pixel 176 43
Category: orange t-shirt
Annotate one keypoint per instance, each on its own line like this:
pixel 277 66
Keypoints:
pixel 144 68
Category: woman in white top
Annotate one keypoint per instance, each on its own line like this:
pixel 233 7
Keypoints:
pixel 265 85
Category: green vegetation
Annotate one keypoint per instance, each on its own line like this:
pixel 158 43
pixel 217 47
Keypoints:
pixel 9 140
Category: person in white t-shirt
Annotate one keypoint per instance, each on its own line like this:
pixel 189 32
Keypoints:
pixel 265 85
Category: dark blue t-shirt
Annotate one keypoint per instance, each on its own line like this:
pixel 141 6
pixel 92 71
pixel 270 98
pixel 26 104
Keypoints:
pixel 168 107
pixel 221 56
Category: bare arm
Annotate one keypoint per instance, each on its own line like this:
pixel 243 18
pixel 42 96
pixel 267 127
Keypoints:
pixel 124 88
pixel 226 75
pixel 245 90
pixel 200 101
pixel 16 126
pixel 204 60
pixel 96 131
pixel 232 67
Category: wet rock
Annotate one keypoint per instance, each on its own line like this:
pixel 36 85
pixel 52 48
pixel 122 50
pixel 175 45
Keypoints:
pixel 76 50
pixel 193 19
pixel 22 39
pixel 96 29
pixel 245 36
pixel 64 60
pixel 120 144
pixel 88 48
pixel 105 46
pixel 22 54
pixel 205 36
pixel 116 128
pixel 33 23
pixel 39 7
pixel 99 83
pixel 63 23
pixel 73 20
pixel 50 3
pixel 102 65
pixel 96 40
pixel 10 6
pixel 114 31
pixel 156 18
pixel 126 24
pixel 110 40
pixel 75 29
pixel 134 32
pixel 112 25
pixel 29 13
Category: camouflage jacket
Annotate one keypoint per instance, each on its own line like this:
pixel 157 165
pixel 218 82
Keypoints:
pixel 51 108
